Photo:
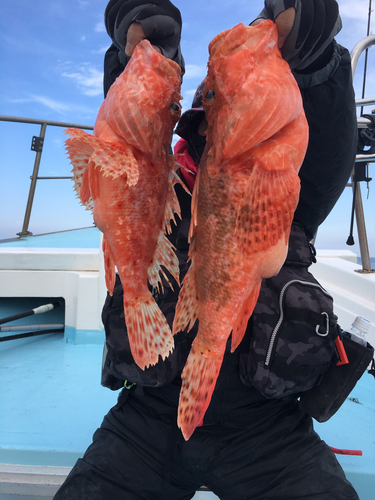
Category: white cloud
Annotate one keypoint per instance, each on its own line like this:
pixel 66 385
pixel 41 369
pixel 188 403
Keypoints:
pixel 60 107
pixel 195 71
pixel 83 4
pixel 357 10
pixel 88 79
pixel 57 106
pixel 99 27
pixel 102 50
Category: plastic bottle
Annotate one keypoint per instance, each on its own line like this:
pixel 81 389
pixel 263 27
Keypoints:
pixel 358 330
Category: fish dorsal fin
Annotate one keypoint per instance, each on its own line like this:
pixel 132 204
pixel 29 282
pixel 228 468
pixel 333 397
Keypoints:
pixel 172 206
pixel 266 211
pixel 164 257
pixel 194 208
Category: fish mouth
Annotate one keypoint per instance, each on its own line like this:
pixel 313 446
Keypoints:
pixel 246 105
pixel 142 106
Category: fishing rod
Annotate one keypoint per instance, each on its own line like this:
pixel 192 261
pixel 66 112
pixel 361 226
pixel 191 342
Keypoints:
pixel 31 312
pixel 37 310
pixel 40 329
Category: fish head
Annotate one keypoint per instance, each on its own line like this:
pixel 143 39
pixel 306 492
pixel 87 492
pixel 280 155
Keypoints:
pixel 245 71
pixel 143 105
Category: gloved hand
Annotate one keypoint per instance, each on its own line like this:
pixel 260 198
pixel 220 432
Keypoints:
pixel 160 20
pixel 315 25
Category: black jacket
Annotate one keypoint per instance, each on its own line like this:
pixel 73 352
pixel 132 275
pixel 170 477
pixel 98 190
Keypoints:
pixel 328 99
pixel 161 22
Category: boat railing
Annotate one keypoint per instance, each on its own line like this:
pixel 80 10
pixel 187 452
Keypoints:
pixel 363 159
pixel 363 122
pixel 37 146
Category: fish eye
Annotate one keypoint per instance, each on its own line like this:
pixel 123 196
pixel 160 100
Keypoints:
pixel 175 108
pixel 210 95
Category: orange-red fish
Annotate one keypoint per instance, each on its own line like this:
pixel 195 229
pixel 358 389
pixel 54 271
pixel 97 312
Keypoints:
pixel 243 203
pixel 124 172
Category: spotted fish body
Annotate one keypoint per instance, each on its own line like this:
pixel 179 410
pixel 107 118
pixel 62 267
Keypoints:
pixel 243 203
pixel 125 174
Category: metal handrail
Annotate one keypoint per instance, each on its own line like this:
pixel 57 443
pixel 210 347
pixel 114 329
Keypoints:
pixel 38 149
pixel 362 123
pixel 359 213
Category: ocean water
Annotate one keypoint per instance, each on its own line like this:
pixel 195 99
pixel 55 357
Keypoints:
pixel 372 262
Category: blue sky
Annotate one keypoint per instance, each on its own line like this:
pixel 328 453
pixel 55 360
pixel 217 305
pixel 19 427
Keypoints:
pixel 51 68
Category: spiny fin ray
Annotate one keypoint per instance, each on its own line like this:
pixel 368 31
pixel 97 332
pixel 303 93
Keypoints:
pixel 164 256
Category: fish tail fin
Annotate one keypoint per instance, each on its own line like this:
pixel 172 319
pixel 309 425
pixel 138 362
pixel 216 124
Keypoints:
pixel 148 331
pixel 240 326
pixel 198 383
pixel 187 305
pixel 164 256
pixel 109 266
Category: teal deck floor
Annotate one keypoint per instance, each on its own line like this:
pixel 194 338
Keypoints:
pixel 51 400
pixel 76 238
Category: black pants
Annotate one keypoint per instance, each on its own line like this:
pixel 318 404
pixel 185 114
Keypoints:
pixel 262 450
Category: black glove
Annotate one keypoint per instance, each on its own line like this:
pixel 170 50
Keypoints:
pixel 160 20
pixel 315 25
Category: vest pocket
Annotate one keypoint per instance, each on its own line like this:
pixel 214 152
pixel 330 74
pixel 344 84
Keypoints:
pixel 292 338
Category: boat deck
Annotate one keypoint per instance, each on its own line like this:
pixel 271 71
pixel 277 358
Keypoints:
pixel 51 397
pixel 52 402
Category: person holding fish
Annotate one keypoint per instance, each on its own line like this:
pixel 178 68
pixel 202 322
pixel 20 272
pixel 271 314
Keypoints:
pixel 266 150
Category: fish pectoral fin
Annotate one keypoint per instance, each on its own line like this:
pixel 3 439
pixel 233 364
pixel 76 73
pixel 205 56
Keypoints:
pixel 164 257
pixel 113 159
pixel 90 185
pixel 80 148
pixel 267 208
pixel 198 383
pixel 148 331
pixel 116 161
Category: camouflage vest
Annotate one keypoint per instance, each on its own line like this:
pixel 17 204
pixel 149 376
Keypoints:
pixel 292 332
